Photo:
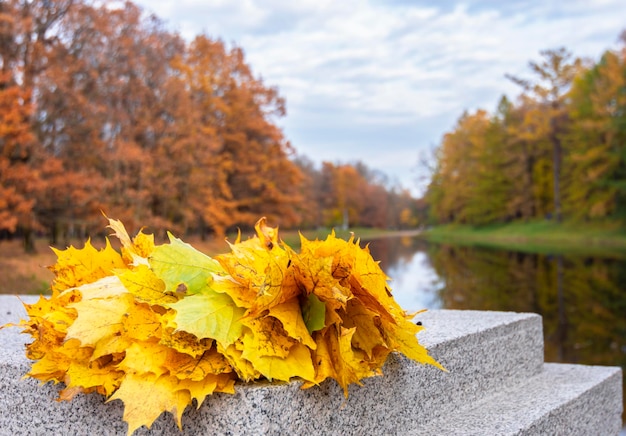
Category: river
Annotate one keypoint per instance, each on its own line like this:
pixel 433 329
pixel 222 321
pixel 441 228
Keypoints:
pixel 582 298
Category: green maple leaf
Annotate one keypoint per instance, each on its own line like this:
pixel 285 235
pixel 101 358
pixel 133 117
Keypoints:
pixel 183 268
pixel 209 315
pixel 314 313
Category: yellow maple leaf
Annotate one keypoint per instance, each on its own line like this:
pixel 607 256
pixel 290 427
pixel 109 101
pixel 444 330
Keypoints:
pixel 141 322
pixel 90 376
pixel 51 366
pixel 368 326
pixel 314 273
pixel 259 265
pixel 56 359
pixel 196 368
pixel 114 346
pixel 351 365
pixel 137 250
pixel 182 341
pixel 49 319
pixel 403 336
pixel 76 267
pixel 322 361
pixel 290 315
pixel 145 358
pixel 297 363
pixel 98 318
pixel 144 284
pixel 265 337
pixel 199 389
pixel 146 396
pixel 244 369
pixel 106 287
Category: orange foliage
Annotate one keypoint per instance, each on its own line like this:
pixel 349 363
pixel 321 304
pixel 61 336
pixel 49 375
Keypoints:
pixel 132 120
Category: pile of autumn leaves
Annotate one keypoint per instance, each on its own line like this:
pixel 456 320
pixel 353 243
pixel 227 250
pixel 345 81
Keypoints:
pixel 172 322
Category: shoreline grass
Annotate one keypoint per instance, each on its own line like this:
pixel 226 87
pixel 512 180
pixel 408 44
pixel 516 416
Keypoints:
pixel 537 236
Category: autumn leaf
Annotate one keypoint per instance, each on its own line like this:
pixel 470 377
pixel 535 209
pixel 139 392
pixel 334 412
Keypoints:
pixel 314 313
pixel 297 364
pixel 196 368
pixel 145 358
pixel 200 389
pixel 209 315
pixel 289 314
pixel 182 268
pixel 265 337
pixel 145 285
pixel 141 323
pixel 98 318
pixel 260 267
pixel 134 251
pixel 146 397
pixel 404 337
pixel 87 376
pixel 182 341
pixel 76 267
pixel 243 367
pixel 368 327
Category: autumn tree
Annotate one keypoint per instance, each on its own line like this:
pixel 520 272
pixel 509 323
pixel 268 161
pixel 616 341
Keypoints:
pixel 102 106
pixel 456 189
pixel 19 180
pixel 528 161
pixel 342 194
pixel 248 172
pixel 549 90
pixel 28 31
pixel 597 180
pixel 352 194
pixel 103 109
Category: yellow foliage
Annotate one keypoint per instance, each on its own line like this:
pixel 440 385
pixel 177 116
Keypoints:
pixel 160 326
pixel 77 267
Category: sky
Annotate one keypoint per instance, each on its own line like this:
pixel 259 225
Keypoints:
pixel 383 81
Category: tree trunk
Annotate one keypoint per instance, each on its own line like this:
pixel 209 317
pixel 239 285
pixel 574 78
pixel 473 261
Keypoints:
pixel 29 241
pixel 556 169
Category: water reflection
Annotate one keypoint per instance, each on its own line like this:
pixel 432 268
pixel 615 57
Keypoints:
pixel 582 299
pixel 414 282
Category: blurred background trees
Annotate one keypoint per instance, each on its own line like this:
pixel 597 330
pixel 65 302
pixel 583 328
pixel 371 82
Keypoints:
pixel 102 109
pixel 558 151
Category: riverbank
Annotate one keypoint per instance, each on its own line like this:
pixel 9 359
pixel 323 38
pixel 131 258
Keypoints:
pixel 24 273
pixel 540 236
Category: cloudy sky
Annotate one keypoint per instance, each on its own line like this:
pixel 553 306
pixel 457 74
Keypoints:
pixel 382 81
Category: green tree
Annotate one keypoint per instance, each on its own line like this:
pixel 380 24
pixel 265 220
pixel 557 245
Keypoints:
pixel 550 91
pixel 597 185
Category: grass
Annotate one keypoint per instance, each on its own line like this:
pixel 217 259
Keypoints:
pixel 27 273
pixel 537 236
pixel 24 273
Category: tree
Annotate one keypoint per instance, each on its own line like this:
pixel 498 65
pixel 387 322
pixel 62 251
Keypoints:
pixel 597 185
pixel 556 73
pixel 27 31
pixel 463 174
pixel 249 172
pixel 19 179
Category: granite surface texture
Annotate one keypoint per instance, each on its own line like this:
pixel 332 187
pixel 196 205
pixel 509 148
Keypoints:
pixel 492 358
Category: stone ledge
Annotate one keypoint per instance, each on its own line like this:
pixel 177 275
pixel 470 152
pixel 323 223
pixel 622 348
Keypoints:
pixel 483 351
pixel 563 399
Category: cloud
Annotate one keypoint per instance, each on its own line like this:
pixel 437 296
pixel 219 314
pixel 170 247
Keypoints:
pixel 356 72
